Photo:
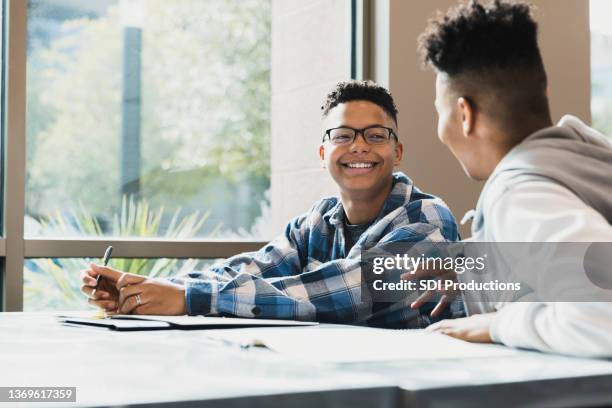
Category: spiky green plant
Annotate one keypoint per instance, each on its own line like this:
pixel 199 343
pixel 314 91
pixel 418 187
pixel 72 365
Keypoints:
pixel 53 283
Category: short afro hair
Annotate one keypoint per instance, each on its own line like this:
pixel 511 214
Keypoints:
pixel 473 37
pixel 354 90
pixel 489 54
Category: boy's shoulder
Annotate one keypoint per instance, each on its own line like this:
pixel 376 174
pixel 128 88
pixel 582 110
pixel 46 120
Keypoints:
pixel 429 205
pixel 325 204
pixel 318 214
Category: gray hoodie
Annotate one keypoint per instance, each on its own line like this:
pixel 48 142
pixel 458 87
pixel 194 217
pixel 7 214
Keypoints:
pixel 555 186
pixel 570 154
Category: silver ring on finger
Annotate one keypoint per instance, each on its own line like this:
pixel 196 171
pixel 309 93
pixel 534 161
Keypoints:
pixel 138 300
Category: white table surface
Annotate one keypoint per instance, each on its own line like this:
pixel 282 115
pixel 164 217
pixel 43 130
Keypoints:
pixel 167 367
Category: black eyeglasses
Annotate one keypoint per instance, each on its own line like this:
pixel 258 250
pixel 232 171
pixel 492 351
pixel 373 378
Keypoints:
pixel 373 135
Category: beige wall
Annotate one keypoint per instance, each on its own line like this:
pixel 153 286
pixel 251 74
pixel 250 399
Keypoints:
pixel 308 39
pixel 426 160
pixel 310 53
pixel 565 42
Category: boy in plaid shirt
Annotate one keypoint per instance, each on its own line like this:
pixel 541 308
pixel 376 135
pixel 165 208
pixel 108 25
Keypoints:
pixel 312 271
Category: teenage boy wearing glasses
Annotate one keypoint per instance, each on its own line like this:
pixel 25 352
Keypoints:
pixel 312 271
pixel 545 183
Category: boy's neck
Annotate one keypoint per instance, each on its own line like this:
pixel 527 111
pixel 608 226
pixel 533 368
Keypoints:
pixel 528 127
pixel 363 207
pixel 498 152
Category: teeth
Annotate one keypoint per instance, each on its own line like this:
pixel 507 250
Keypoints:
pixel 360 165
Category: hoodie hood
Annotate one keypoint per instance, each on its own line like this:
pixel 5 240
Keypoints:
pixel 571 154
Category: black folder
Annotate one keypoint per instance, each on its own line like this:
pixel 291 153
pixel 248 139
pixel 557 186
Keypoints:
pixel 138 323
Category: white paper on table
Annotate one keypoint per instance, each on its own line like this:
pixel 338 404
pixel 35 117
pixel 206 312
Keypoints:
pixel 353 345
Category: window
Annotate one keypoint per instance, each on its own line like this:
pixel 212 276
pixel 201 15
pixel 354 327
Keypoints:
pixel 601 65
pixel 148 126
pixel 153 109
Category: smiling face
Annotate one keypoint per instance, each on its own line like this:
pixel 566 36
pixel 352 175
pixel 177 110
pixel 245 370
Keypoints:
pixel 360 169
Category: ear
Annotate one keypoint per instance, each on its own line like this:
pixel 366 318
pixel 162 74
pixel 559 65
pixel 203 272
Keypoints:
pixel 467 112
pixel 399 153
pixel 322 155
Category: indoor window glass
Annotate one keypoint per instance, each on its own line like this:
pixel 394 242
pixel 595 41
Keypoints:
pixel 148 118
pixel 54 283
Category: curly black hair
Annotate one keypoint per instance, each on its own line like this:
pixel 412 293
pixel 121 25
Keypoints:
pixel 490 53
pixel 473 37
pixel 354 90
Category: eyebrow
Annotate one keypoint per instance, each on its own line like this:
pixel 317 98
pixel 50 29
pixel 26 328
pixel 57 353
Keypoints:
pixel 374 124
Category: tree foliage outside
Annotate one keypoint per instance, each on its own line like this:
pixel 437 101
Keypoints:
pixel 205 131
pixel 601 82
pixel 205 126
pixel 54 284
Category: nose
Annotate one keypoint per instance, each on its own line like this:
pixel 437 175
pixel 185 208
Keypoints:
pixel 359 144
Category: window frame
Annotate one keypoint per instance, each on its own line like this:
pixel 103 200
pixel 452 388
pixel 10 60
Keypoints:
pixel 14 247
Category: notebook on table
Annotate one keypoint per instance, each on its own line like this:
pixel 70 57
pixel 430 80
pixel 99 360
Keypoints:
pixel 155 322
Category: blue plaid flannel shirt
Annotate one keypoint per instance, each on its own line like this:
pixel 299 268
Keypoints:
pixel 306 274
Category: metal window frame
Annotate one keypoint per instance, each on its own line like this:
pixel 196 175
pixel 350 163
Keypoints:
pixel 136 248
pixel 14 132
pixel 360 26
